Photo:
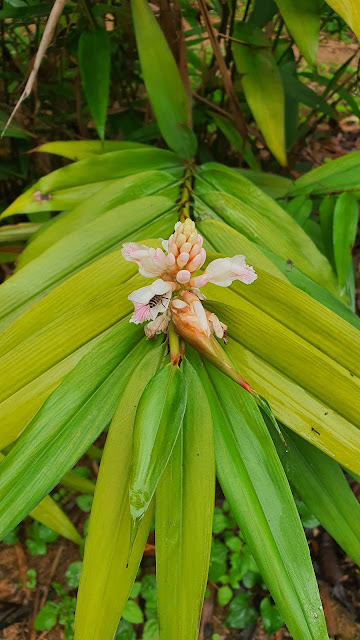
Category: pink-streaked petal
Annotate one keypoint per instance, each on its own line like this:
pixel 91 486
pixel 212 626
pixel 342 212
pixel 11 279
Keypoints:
pixel 200 281
pixel 142 295
pixel 129 248
pixel 247 276
pixel 170 259
pixel 142 313
pixel 183 276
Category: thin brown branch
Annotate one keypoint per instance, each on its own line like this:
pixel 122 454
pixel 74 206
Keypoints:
pixel 239 119
pixel 52 21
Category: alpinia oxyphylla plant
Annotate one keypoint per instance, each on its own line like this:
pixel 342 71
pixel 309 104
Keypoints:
pixel 178 404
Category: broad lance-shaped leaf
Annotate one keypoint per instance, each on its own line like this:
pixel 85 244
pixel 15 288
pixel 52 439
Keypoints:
pixel 49 513
pixel 94 65
pixel 105 578
pixel 79 248
pixel 80 149
pixel 285 238
pixel 184 514
pixel 163 82
pixel 94 169
pixel 321 484
pixel 67 424
pixel 335 176
pixel 346 215
pixel 303 22
pixel 283 347
pixel 254 60
pixel 299 410
pixel 255 485
pixel 157 424
pixel 113 194
pixel 349 10
pixel 227 241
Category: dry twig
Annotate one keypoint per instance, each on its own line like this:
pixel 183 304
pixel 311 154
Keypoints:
pixel 52 21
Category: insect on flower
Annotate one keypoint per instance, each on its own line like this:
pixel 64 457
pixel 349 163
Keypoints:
pixel 175 294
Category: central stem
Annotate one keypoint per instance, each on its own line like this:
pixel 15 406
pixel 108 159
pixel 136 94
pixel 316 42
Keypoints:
pixel 185 195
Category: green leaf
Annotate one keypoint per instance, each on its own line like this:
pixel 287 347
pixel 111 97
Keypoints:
pixel 326 218
pixel 183 522
pixel 270 617
pixel 80 149
pixel 298 409
pixel 47 617
pixel 218 560
pixel 157 424
pixel 240 614
pixel 299 208
pixel 94 169
pixel 36 547
pixel 163 82
pixel 72 574
pixel 320 483
pixel 132 613
pixel 111 195
pixel 69 421
pixel 224 595
pixel 254 60
pixel 248 210
pixel 125 631
pixel 84 502
pixel 349 11
pixel 303 22
pixel 78 249
pixel 94 65
pixel 346 214
pixel 264 507
pixel 106 580
pixel 333 176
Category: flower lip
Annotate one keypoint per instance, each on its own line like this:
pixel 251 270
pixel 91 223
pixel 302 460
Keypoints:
pixel 150 301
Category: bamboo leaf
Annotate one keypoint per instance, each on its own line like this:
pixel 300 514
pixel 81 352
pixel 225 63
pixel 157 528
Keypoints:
pixel 254 60
pixel 303 22
pixel 157 424
pixel 320 483
pixel 326 218
pixel 184 513
pixel 346 214
pixel 106 580
pixel 94 65
pixel 69 421
pixel 163 82
pixel 255 485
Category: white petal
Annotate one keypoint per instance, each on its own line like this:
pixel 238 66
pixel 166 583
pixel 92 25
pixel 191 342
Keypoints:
pixel 142 295
pixel 159 287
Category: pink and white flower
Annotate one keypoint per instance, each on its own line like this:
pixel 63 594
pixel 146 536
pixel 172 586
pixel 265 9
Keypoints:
pixel 174 265
pixel 223 272
pixel 150 301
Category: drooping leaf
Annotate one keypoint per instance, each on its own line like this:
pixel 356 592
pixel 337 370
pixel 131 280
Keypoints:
pixel 163 82
pixel 255 485
pixel 326 218
pixel 157 424
pixel 254 60
pixel 184 514
pixel 346 214
pixel 106 580
pixel 320 483
pixel 303 22
pixel 80 149
pixel 69 421
pixel 94 65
